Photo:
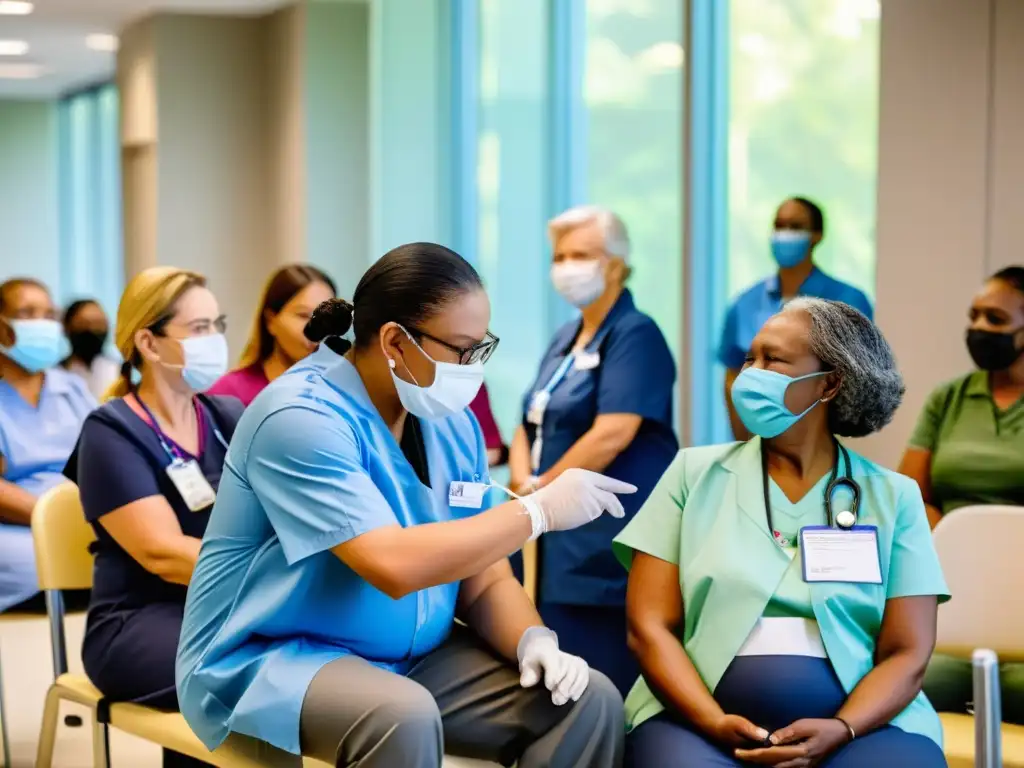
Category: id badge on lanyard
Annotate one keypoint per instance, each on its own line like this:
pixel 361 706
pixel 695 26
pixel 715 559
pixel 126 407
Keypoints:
pixel 188 479
pixel 538 406
pixel 841 556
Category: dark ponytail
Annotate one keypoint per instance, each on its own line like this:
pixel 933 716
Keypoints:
pixel 330 320
pixel 408 285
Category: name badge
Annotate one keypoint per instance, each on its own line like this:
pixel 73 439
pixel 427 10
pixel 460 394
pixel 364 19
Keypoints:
pixel 833 555
pixel 467 495
pixel 587 361
pixel 538 404
pixel 194 488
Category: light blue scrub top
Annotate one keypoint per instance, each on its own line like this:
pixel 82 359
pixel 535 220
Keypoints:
pixel 311 465
pixel 36 442
pixel 707 516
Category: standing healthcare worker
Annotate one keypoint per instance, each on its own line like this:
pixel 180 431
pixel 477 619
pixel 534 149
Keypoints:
pixel 798 229
pixel 42 408
pixel 348 535
pixel 602 401
pixel 783 592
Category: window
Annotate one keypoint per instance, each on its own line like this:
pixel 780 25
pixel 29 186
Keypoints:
pixel 803 121
pixel 512 253
pixel 91 257
pixel 634 140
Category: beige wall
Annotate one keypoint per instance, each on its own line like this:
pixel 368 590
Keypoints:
pixel 951 164
pixel 245 146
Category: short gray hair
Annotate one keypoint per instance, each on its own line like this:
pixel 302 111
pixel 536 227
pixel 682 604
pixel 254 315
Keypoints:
pixel 847 342
pixel 616 238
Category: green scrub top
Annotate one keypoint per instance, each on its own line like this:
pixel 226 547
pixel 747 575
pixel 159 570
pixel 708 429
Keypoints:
pixel 706 515
pixel 792 597
pixel 977 449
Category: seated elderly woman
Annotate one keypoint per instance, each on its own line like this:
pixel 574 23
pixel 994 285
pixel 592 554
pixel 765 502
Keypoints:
pixel 783 592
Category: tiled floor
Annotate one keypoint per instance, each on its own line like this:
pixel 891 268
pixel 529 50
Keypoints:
pixel 27 673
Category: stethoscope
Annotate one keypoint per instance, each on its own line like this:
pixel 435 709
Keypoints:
pixel 846 519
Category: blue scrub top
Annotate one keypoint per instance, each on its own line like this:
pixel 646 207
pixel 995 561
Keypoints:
pixel 754 306
pixel 36 442
pixel 312 465
pixel 634 373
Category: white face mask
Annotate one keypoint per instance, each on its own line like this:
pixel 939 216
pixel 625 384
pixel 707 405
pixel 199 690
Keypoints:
pixel 206 360
pixel 579 282
pixel 452 391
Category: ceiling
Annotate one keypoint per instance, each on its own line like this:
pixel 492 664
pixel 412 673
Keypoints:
pixel 56 32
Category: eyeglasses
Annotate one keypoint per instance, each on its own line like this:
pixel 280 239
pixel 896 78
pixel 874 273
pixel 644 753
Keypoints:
pixel 199 327
pixel 478 353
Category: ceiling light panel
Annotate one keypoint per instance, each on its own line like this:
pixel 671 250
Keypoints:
pixel 15 8
pixel 13 47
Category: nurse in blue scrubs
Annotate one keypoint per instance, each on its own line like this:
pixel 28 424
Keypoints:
pixel 602 400
pixel 783 591
pixel 798 229
pixel 352 527
pixel 42 408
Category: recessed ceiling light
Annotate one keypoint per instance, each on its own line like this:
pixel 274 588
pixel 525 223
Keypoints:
pixel 11 71
pixel 13 47
pixel 102 42
pixel 15 7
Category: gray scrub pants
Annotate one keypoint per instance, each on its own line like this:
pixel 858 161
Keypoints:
pixel 461 699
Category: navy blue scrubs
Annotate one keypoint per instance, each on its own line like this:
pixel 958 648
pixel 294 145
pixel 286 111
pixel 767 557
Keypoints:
pixel 626 368
pixel 134 619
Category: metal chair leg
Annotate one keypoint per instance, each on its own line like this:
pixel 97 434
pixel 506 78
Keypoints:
pixel 8 763
pixel 988 714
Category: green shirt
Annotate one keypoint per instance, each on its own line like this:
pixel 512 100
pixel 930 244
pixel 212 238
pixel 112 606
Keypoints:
pixel 792 597
pixel 706 516
pixel 977 449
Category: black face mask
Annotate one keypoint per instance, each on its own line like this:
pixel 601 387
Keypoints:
pixel 992 351
pixel 87 345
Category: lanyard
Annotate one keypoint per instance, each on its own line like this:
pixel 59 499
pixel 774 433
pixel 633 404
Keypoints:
pixel 539 405
pixel 169 446
pixel 834 482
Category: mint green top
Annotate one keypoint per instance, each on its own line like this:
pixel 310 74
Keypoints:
pixel 792 597
pixel 977 449
pixel 706 515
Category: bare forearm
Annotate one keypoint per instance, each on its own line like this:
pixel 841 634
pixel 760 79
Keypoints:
pixel 501 615
pixel 15 504
pixel 884 692
pixel 519 456
pixel 672 677
pixel 175 560
pixel 406 560
pixel 594 451
pixel 934 515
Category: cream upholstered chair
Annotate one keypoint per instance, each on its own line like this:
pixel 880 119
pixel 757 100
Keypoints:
pixel 980 551
pixel 62 538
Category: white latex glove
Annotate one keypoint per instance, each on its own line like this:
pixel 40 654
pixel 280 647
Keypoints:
pixel 576 497
pixel 565 675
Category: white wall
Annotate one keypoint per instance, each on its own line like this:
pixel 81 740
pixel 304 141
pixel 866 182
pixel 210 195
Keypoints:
pixel 29 213
pixel 950 194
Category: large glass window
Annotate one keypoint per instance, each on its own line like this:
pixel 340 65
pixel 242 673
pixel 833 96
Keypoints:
pixel 803 121
pixel 634 138
pixel 512 253
pixel 91 258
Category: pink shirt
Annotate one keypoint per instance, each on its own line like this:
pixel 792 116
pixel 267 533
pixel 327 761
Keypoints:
pixel 244 383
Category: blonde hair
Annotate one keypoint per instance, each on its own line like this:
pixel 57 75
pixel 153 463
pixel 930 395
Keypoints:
pixel 281 287
pixel 148 298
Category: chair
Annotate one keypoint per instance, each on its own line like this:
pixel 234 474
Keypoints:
pixel 62 538
pixel 979 548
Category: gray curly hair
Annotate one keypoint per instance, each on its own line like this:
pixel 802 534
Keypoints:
pixel 847 342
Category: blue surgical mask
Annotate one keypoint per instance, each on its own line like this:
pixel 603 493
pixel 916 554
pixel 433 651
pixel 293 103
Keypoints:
pixel 790 247
pixel 206 360
pixel 38 344
pixel 759 397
